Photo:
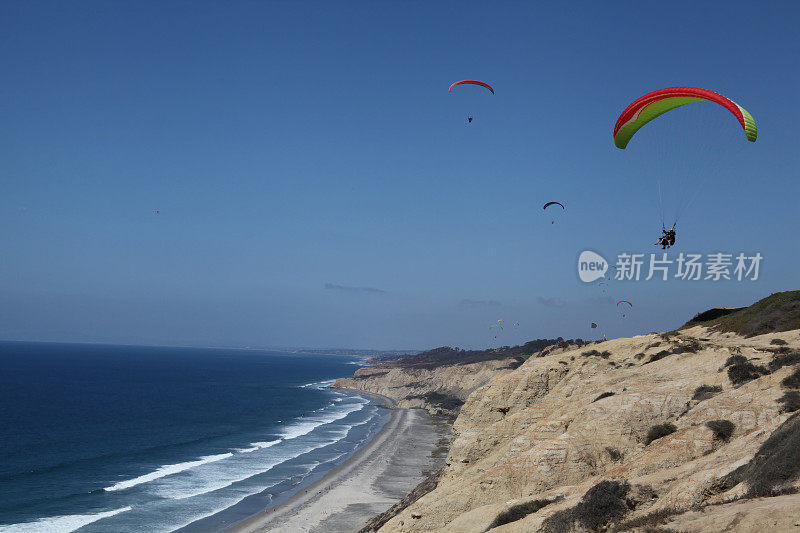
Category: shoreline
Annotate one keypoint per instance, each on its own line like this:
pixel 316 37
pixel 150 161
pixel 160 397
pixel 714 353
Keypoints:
pixel 377 476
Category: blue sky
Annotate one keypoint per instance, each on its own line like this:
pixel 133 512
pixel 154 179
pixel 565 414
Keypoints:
pixel 302 152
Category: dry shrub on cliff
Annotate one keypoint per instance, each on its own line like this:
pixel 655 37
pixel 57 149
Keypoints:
pixel 778 342
pixel 792 381
pixel 604 395
pixel 648 523
pixel 440 401
pixel 784 359
pixel 658 431
pixel 613 453
pixel 735 360
pixel 518 512
pixel 790 401
pixel 740 373
pixel 774 467
pixel 723 429
pixel 605 354
pixel 604 503
pixel 658 356
pixel 704 392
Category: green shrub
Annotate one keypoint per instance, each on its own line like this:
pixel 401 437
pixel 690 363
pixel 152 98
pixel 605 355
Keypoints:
pixel 704 392
pixel 778 342
pixel 658 431
pixel 723 429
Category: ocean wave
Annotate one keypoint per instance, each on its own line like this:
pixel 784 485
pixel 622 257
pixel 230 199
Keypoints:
pixel 166 470
pixel 308 424
pixel 213 477
pixel 59 524
pixel 319 384
pixel 254 446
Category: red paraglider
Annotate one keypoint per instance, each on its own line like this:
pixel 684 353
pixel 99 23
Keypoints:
pixel 471 82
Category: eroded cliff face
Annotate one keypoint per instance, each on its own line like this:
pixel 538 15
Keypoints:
pixel 441 390
pixel 534 445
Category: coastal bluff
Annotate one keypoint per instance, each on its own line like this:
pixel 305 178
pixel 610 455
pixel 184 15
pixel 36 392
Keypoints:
pixel 696 429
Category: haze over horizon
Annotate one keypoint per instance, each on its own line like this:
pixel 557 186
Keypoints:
pixel 317 186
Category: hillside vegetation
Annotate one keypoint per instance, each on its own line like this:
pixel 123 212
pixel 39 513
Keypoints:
pixel 775 313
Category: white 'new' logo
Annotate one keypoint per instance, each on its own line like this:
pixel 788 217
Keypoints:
pixel 591 266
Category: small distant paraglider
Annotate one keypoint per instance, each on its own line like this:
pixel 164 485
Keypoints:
pixel 623 308
pixel 548 204
pixel 471 82
pixel 494 330
pixel 157 211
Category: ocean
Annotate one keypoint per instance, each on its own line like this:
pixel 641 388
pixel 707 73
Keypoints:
pixel 129 438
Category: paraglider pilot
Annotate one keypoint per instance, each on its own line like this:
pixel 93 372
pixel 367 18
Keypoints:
pixel 667 239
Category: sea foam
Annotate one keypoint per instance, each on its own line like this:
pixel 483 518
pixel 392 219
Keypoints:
pixel 167 470
pixel 59 524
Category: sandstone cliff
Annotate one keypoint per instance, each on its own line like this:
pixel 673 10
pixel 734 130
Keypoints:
pixel 648 432
pixel 440 389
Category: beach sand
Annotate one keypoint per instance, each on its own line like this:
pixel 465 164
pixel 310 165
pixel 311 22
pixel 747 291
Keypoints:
pixel 374 479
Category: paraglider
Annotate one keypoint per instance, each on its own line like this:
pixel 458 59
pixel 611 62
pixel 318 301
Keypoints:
pixel 496 326
pixel 157 212
pixel 667 239
pixel 548 204
pixel 623 307
pixel 654 104
pixel 471 82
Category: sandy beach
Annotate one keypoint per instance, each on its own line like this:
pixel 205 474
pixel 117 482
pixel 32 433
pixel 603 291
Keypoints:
pixel 374 479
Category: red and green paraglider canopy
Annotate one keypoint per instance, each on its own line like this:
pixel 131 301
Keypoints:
pixel 656 103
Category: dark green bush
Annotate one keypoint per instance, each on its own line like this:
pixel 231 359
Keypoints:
pixel 723 429
pixel 658 431
pixel 778 342
pixel 704 392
